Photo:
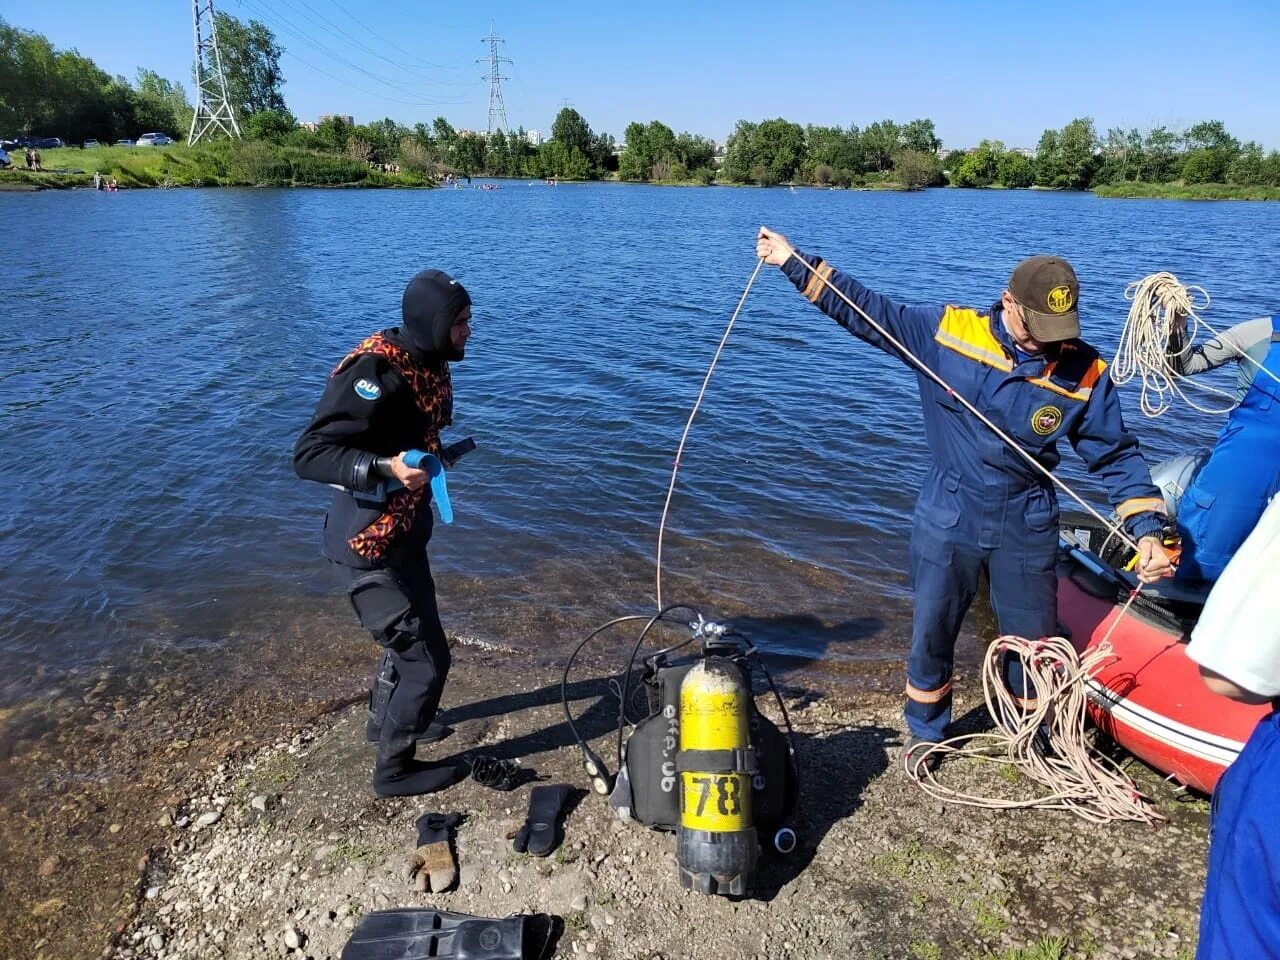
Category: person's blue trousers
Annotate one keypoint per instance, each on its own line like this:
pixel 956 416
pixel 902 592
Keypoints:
pixel 1240 915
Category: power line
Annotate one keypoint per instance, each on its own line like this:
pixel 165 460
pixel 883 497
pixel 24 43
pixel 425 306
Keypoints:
pixel 381 39
pixel 362 45
pixel 277 19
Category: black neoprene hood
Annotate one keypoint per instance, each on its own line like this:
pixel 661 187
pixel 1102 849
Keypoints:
pixel 430 307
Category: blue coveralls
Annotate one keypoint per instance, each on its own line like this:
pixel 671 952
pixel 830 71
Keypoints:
pixel 1228 495
pixel 982 505
pixel 1240 914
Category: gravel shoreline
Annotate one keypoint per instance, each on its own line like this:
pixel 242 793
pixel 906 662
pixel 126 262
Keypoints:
pixel 277 855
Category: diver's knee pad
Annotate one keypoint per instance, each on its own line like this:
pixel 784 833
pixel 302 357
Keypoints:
pixel 382 603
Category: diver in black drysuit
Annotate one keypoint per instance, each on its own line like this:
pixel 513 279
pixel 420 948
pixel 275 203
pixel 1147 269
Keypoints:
pixel 390 395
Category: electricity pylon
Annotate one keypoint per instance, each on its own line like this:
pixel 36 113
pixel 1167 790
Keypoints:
pixel 497 109
pixel 213 108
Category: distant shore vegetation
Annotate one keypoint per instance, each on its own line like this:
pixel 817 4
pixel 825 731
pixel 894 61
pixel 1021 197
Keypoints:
pixel 60 93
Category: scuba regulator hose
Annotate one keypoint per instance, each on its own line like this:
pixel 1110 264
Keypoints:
pixel 601 779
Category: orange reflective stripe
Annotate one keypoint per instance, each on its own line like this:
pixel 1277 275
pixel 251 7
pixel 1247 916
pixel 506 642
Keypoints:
pixel 928 696
pixel 1093 374
pixel 1047 384
pixel 1083 390
pixel 1026 703
pixel 1140 505
pixel 813 289
pixel 968 333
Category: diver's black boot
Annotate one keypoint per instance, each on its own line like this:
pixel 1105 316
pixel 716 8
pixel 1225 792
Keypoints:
pixel 384 685
pixel 434 733
pixel 396 773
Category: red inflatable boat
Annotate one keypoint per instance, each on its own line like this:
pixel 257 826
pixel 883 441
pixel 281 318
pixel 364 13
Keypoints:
pixel 1150 698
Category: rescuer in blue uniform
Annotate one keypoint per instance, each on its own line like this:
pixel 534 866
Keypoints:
pixel 1022 365
pixel 1229 493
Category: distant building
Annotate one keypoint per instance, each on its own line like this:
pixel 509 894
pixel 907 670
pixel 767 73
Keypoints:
pixel 1023 151
pixel 472 133
pixel 308 126
pixel 534 138
pixel 349 120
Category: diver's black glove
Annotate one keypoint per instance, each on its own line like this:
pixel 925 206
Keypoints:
pixel 541 832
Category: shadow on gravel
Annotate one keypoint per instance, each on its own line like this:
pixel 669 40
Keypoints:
pixel 835 771
pixel 599 718
pixel 796 640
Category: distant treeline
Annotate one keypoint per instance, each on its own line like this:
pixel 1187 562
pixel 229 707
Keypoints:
pixel 47 92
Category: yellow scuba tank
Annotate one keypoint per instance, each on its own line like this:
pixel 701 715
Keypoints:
pixel 717 846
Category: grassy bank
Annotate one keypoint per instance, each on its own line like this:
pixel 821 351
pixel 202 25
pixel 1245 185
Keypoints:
pixel 240 164
pixel 1192 191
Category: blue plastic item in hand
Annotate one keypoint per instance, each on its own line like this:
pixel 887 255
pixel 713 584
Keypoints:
pixel 420 460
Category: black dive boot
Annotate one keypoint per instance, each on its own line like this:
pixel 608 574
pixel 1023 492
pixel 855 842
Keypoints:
pixel 396 773
pixel 384 684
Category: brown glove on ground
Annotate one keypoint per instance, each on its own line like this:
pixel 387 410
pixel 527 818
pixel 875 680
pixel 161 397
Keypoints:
pixel 432 867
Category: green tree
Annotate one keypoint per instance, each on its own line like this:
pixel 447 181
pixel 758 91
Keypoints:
pixel 979 167
pixel 443 132
pixel 920 135
pixel 1202 166
pixel 467 153
pixel 694 152
pixel 637 156
pixel 1160 162
pixel 880 141
pixel 270 125
pixel 1013 170
pixel 1048 159
pixel 333 134
pixel 571 131
pixel 28 79
pixel 1249 166
pixel 251 61
pixel 915 168
pixel 765 153
pixel 161 105
pixel 1220 150
pixel 831 150
pixel 1067 159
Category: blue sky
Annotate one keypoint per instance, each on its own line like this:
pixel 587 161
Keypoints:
pixel 997 69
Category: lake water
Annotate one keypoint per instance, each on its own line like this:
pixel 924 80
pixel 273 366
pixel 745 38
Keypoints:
pixel 162 350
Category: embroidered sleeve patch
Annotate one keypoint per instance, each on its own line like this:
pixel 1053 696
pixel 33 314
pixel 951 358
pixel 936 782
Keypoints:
pixel 1046 420
pixel 367 389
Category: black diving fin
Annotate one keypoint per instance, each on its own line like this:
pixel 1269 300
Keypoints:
pixel 414 933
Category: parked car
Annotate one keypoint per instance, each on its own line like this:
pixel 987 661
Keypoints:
pixel 90 144
pixel 48 143
pixel 124 143
pixel 4 158
pixel 153 140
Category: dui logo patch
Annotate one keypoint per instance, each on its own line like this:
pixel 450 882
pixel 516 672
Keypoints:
pixel 1046 420
pixel 1059 299
pixel 367 389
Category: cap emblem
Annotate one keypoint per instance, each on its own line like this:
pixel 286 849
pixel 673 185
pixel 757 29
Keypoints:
pixel 1059 299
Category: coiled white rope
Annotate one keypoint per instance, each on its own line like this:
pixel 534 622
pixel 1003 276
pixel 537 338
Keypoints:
pixel 1158 301
pixel 1074 776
